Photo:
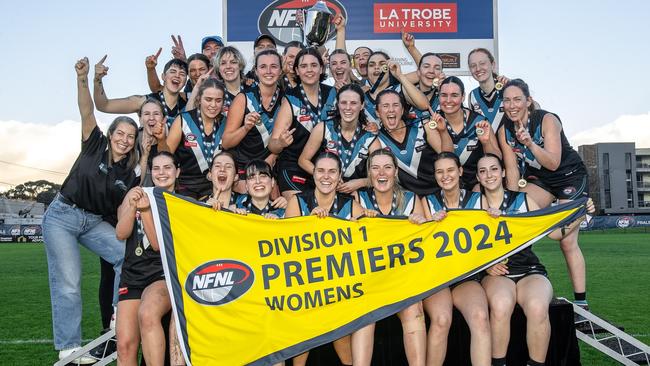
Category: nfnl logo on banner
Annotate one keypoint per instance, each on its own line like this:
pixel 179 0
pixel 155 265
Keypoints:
pixel 448 27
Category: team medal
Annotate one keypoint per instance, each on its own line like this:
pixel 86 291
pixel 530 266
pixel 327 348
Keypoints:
pixel 505 261
pixel 480 131
pixel 522 183
pixel 384 68
pixel 433 124
pixel 498 85
pixel 436 82
pixel 139 251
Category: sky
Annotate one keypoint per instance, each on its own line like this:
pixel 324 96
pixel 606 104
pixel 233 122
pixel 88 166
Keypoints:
pixel 584 60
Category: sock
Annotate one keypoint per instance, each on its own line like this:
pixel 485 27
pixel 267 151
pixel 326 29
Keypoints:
pixel 499 361
pixel 534 363
pixel 580 296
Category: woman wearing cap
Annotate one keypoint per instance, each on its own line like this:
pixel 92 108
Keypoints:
pixel 344 135
pixel 542 163
pixel 303 107
pixel 85 212
pixel 253 114
pixel 195 137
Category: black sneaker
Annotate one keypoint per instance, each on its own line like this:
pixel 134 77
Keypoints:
pixel 104 349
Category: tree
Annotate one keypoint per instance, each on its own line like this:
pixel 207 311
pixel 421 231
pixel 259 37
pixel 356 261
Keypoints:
pixel 41 191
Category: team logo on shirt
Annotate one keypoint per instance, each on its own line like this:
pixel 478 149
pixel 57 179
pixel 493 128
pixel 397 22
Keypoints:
pixel 219 282
pixel 278 19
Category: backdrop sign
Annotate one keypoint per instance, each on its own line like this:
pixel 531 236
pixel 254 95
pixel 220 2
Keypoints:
pixel 247 290
pixel 450 27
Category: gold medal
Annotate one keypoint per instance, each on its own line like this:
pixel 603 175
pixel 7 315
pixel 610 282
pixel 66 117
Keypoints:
pixel 505 261
pixel 258 122
pixel 522 183
pixel 436 82
pixel 384 68
pixel 138 251
pixel 433 124
pixel 498 86
pixel 480 131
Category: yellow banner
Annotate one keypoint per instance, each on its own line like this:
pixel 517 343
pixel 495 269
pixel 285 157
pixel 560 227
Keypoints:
pixel 247 290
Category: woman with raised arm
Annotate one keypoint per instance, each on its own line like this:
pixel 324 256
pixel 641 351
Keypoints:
pixel 253 113
pixel 384 74
pixel 469 131
pixel 414 144
pixel 344 135
pixel 85 212
pixel 386 198
pixel 468 295
pixel 143 294
pixel 174 77
pixel 541 162
pixel 195 137
pixel 487 99
pixel 325 201
pixel 302 108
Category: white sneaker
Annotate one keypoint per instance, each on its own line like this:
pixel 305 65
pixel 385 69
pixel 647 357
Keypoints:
pixel 83 360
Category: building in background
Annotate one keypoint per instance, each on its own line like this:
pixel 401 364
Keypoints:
pixel 619 177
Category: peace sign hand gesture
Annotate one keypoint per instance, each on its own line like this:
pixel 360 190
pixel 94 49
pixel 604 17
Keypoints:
pixel 178 50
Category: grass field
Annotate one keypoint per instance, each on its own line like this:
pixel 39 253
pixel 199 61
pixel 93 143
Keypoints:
pixel 618 280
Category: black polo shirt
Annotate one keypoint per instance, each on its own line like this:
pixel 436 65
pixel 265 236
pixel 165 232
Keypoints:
pixel 95 186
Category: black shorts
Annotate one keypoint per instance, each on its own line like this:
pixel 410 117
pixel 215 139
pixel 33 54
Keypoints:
pixel 127 292
pixel 293 178
pixel 516 277
pixel 570 189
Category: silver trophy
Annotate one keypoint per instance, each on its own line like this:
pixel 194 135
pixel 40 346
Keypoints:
pixel 317 22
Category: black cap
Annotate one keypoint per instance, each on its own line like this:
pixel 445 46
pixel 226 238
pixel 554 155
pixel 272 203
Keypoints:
pixel 264 36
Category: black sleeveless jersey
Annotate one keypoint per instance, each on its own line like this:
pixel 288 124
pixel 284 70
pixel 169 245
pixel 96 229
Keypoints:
pixel 571 164
pixel 524 261
pixel 255 144
pixel 171 112
pixel 304 117
pixel 142 264
pixel 195 152
pixel 414 159
pixel 341 208
pixel 467 147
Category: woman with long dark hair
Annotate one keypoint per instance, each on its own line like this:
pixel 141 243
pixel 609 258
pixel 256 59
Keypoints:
pixel 195 137
pixel 303 107
pixel 541 162
pixel 325 201
pixel 253 114
pixel 344 135
pixel 468 295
